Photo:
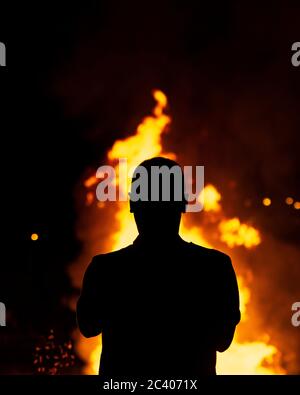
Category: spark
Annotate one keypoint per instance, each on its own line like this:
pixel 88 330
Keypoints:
pixel 289 200
pixel 267 202
pixel 34 236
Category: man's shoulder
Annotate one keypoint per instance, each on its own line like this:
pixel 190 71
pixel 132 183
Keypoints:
pixel 110 256
pixel 102 263
pixel 208 252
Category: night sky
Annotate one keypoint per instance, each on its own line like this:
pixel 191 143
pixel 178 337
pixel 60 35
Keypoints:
pixel 79 76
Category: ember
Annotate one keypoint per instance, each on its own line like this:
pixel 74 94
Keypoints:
pixel 50 357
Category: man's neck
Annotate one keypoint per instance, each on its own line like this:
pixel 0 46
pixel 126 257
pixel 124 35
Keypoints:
pixel 158 239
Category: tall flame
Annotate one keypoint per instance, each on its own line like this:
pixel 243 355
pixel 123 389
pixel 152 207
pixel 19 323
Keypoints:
pixel 258 357
pixel 145 144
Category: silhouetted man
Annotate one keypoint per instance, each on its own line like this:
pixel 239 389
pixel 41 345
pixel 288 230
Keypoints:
pixel 164 306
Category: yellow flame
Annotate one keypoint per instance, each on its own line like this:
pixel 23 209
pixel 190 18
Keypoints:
pixel 145 144
pixel 234 233
pixel 249 358
pixel 89 350
pixel 241 358
pixel 210 197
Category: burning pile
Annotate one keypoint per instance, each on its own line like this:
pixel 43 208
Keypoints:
pixel 215 231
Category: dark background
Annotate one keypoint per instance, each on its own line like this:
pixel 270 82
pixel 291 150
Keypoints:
pixel 79 76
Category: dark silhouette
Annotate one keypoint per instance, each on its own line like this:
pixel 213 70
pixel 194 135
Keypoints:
pixel 164 306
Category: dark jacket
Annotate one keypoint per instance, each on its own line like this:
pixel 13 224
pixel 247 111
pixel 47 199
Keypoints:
pixel 162 309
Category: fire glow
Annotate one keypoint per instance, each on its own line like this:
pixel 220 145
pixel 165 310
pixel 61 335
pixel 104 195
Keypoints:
pixel 244 356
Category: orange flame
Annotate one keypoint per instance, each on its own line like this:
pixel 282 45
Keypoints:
pixel 258 357
pixel 234 233
pixel 210 198
pixel 145 144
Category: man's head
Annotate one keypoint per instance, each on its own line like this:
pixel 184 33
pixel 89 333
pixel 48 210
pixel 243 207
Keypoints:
pixel 157 197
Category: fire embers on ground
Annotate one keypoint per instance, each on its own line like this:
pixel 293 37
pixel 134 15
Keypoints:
pixel 50 357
